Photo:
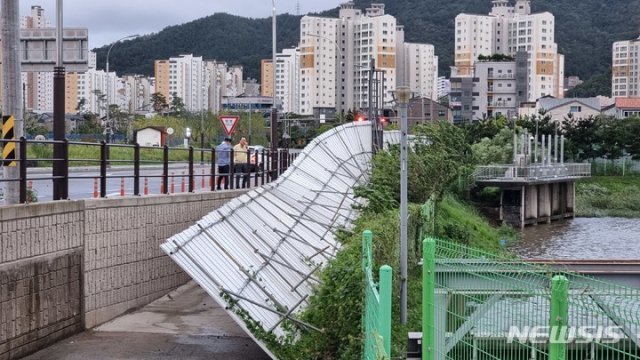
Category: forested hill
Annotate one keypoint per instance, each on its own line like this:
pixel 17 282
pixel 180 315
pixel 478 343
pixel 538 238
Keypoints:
pixel 585 31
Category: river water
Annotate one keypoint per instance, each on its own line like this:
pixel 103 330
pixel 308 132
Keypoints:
pixel 581 238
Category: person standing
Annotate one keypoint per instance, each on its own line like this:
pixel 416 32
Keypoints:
pixel 223 153
pixel 241 161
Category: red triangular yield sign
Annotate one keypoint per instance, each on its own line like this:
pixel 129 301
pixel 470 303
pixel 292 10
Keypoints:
pixel 229 123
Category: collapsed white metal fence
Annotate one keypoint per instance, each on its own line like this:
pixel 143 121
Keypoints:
pixel 258 255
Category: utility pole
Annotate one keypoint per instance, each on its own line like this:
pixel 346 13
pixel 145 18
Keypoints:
pixel 374 127
pixel 11 96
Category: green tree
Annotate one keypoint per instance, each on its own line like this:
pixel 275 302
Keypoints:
pixel 177 104
pixel 630 138
pixel 582 138
pixel 89 125
pixel 440 154
pixel 159 102
pixel 495 150
pixel 32 126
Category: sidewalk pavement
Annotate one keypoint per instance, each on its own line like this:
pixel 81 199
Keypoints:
pixel 183 325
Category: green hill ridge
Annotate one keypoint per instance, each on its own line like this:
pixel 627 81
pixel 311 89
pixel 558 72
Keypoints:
pixel 585 31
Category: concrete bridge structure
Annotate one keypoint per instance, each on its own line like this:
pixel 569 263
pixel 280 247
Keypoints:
pixel 532 191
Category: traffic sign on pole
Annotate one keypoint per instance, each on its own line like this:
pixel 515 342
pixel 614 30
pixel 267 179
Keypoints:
pixel 229 123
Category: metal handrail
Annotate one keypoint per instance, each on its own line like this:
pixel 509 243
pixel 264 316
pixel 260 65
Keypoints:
pixel 532 172
pixel 260 173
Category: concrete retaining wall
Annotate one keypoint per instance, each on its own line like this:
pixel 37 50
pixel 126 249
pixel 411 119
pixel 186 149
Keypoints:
pixel 66 266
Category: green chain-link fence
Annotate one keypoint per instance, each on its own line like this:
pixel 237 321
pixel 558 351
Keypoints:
pixel 376 318
pixel 478 305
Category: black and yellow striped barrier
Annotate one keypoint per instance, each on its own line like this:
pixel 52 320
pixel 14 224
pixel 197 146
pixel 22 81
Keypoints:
pixel 8 133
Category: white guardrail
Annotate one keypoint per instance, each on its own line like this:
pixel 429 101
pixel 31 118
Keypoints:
pixel 532 172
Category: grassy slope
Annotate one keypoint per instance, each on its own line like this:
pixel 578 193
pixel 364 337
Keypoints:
pixel 608 196
pixel 337 304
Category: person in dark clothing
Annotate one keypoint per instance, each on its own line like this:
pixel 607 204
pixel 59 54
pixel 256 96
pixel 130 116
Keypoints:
pixel 223 154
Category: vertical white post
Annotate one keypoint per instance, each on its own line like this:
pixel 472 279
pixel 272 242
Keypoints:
pixel 402 95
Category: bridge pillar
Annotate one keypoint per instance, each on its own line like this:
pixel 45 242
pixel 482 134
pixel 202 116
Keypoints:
pixel 531 204
pixel 544 203
pixel 571 199
pixel 555 201
pixel 523 203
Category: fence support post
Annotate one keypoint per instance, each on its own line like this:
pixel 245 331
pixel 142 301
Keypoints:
pixel 165 169
pixel 428 297
pixel 191 178
pixel 558 318
pixel 264 167
pixel 384 319
pixel 136 170
pixel 212 178
pixel 103 169
pixel 23 169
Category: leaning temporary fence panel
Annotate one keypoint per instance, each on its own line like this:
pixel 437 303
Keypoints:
pixel 259 254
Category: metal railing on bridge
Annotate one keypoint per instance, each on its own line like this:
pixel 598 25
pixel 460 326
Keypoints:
pixel 479 305
pixel 515 173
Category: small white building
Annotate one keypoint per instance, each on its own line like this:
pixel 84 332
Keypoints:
pixel 151 136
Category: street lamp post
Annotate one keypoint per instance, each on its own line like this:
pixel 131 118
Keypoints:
pixel 107 130
pixel 274 110
pixel 403 93
pixel 187 137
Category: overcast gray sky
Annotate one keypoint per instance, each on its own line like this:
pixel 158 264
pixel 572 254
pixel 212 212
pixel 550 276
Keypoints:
pixel 113 19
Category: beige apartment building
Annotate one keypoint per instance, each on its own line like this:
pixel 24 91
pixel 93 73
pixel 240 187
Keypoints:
pixel 335 58
pixel 509 30
pixel 266 77
pixel 625 76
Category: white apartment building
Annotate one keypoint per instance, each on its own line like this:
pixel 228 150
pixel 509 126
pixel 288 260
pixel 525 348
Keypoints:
pixel 375 38
pixel 625 81
pixel 319 62
pixel 234 82
pixel 495 89
pixel 421 70
pixel 38 85
pixel 137 93
pixel 444 87
pixel 216 73
pixel 287 84
pixel 183 77
pixel 509 30
pixel 336 54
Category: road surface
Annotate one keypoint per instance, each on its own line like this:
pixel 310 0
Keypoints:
pixel 186 325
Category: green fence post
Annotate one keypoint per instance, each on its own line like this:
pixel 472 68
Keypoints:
pixel 384 315
pixel 428 296
pixel 366 248
pixel 558 318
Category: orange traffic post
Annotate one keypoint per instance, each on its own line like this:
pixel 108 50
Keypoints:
pixel 182 183
pixel 173 188
pixel 203 180
pixel 95 188
pixel 122 186
pixel 146 186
